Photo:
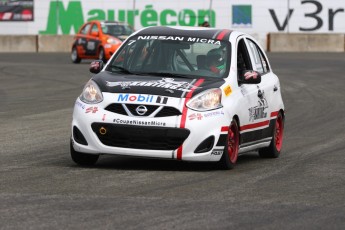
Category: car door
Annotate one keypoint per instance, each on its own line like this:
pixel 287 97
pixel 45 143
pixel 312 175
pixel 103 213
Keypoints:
pixel 82 38
pixel 251 123
pixel 92 40
pixel 265 89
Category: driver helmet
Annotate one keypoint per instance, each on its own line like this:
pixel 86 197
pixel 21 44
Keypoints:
pixel 215 59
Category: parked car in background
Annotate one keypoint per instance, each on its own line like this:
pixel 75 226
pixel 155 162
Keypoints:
pixel 99 40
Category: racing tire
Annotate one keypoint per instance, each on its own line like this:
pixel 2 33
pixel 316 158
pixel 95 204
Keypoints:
pixel 230 153
pixel 74 56
pixel 101 55
pixel 274 149
pixel 83 159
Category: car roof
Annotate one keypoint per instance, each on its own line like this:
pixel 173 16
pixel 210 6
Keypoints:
pixel 110 22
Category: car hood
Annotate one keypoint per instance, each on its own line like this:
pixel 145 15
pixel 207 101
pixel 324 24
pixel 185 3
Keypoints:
pixel 154 85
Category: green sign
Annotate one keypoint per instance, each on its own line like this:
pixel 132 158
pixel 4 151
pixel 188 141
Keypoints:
pixel 71 17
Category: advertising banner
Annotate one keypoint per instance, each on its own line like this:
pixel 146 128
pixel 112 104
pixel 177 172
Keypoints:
pixel 256 17
pixel 16 10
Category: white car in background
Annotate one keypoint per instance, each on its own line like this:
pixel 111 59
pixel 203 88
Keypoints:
pixel 192 94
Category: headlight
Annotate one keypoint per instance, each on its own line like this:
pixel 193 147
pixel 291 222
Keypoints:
pixel 208 100
pixel 113 41
pixel 91 93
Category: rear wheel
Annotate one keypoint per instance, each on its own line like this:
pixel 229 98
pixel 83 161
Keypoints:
pixel 83 159
pixel 74 55
pixel 101 55
pixel 230 154
pixel 273 151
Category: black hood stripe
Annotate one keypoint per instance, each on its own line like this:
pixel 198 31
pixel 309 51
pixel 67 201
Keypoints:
pixel 135 84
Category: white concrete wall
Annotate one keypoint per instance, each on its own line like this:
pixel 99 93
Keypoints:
pixel 296 42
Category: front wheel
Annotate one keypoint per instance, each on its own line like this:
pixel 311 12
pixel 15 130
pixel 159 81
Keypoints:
pixel 83 159
pixel 274 149
pixel 74 55
pixel 230 154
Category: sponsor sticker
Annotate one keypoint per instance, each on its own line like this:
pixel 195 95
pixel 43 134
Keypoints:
pixel 177 38
pixel 197 116
pixel 80 105
pixel 200 116
pixel 214 113
pixel 90 46
pixel 258 112
pixel 138 122
pixel 142 98
pixel 91 110
pixel 217 152
pixel 227 90
pixel 167 83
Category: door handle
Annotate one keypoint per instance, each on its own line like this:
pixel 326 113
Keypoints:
pixel 275 88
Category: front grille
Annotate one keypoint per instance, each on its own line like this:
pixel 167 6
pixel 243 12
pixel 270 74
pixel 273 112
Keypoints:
pixel 133 107
pixel 166 111
pixel 116 108
pixel 129 136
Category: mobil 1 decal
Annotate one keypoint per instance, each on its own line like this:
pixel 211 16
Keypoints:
pixel 259 111
pixel 141 98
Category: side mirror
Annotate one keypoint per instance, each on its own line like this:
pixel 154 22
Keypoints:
pixel 250 77
pixel 94 33
pixel 96 66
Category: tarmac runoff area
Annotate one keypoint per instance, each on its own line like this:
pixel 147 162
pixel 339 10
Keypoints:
pixel 41 188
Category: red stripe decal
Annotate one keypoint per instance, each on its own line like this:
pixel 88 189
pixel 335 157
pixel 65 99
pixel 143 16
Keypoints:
pixel 253 126
pixel 274 114
pixel 222 34
pixel 184 114
pixel 224 129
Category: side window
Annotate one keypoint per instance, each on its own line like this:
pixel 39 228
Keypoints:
pixel 243 59
pixel 259 60
pixel 134 56
pixel 85 29
pixel 94 28
pixel 264 62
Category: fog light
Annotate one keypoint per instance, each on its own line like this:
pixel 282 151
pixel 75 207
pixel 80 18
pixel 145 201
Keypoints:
pixel 102 131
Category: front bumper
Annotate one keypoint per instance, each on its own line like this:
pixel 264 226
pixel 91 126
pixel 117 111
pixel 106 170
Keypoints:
pixel 162 137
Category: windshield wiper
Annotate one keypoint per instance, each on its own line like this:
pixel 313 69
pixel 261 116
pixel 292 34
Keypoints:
pixel 122 70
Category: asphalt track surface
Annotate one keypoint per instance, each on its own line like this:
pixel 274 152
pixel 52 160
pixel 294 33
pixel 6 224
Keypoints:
pixel 41 188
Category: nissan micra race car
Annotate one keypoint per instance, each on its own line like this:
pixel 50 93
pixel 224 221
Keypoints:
pixel 184 93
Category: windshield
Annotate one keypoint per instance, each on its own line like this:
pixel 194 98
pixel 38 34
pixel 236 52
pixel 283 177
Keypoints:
pixel 116 29
pixel 182 56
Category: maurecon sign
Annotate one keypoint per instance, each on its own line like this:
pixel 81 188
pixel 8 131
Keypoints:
pixel 250 16
pixel 71 16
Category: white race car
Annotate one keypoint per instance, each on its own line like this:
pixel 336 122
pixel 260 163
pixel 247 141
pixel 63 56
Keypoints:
pixel 193 94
